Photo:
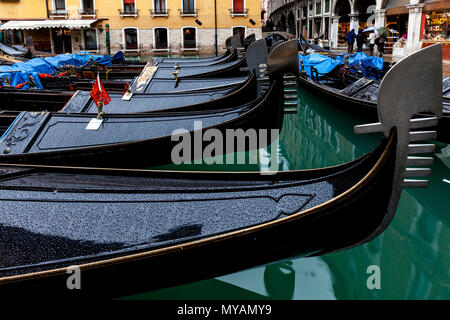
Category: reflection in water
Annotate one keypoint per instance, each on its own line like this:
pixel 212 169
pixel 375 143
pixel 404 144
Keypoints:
pixel 413 254
pixel 279 280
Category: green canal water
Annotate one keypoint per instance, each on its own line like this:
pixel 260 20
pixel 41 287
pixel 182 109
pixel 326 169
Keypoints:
pixel 413 254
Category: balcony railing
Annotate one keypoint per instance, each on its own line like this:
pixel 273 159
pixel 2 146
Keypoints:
pixel 129 13
pixel 88 12
pixel 58 14
pixel 162 46
pixel 238 12
pixel 88 47
pixel 188 12
pixel 131 47
pixel 159 12
pixel 189 45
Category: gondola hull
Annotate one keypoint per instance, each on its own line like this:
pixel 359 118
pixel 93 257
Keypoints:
pixel 278 218
pixel 64 139
pixel 364 108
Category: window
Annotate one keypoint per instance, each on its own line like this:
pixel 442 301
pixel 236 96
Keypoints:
pixel 318 8
pixel 188 7
pixel 304 12
pixel 159 6
pixel 90 39
pixel 60 4
pixel 238 6
pixel 161 39
pixel 131 38
pixel 87 7
pixel 241 31
pixel 13 36
pixel 189 38
pixel 129 7
pixel 327 6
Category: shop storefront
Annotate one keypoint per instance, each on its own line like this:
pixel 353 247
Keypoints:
pixel 436 26
pixel 343 30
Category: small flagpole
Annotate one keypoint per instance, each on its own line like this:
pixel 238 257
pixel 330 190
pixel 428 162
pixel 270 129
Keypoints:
pixel 100 101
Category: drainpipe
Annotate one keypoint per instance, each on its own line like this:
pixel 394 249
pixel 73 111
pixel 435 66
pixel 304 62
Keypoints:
pixel 108 39
pixel 46 7
pixel 215 27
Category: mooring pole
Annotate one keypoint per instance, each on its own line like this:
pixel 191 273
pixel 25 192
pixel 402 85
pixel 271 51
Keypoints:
pixel 215 27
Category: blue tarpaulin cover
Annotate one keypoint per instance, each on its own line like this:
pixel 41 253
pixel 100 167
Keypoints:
pixel 322 63
pixel 325 64
pixel 19 72
pixel 118 57
pixel 360 58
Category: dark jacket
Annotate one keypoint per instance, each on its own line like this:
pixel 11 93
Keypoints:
pixel 351 37
pixel 360 40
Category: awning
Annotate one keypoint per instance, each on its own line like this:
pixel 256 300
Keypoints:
pixel 40 24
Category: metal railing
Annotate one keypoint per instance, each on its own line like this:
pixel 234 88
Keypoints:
pixel 163 46
pixel 159 12
pixel 238 12
pixel 189 45
pixel 130 47
pixel 85 47
pixel 188 12
pixel 129 13
pixel 58 13
pixel 88 12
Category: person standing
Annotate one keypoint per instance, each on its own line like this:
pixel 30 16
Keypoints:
pixel 351 40
pixel 380 45
pixel 372 37
pixel 360 41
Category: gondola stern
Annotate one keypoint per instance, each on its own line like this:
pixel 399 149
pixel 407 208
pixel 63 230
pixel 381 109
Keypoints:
pixel 283 59
pixel 397 112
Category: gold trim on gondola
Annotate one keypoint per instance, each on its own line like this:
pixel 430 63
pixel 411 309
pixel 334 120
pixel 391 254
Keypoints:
pixel 183 246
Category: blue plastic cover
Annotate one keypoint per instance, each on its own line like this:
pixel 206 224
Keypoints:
pixel 16 77
pixel 322 63
pixel 325 64
pixel 363 60
pixel 118 57
pixel 38 65
pixel 19 72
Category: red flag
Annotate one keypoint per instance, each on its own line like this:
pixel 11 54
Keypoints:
pixel 99 94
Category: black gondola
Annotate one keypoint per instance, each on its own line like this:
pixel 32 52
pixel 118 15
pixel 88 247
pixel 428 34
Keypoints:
pixel 148 94
pixel 130 231
pixel 62 138
pixel 359 95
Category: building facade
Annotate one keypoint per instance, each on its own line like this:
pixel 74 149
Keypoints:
pixel 424 22
pixel 134 26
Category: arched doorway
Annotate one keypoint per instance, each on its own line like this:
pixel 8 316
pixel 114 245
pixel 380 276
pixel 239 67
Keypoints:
pixel 343 10
pixel 291 23
pixel 282 23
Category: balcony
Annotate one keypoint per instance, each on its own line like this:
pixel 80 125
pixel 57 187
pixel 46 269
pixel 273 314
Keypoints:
pixel 188 13
pixel 159 13
pixel 91 13
pixel 161 47
pixel 131 47
pixel 129 13
pixel 90 48
pixel 238 12
pixel 63 14
pixel 189 45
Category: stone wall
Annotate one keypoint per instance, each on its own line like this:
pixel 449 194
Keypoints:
pixel 205 40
